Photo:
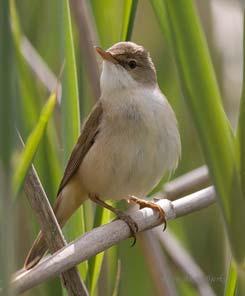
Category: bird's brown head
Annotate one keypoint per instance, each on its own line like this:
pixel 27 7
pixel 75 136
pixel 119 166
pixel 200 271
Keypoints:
pixel 125 65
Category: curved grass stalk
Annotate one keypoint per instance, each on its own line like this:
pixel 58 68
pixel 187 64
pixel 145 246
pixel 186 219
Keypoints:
pixel 27 155
pixel 203 99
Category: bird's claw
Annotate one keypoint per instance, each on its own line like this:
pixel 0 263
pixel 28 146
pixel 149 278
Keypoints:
pixel 133 226
pixel 149 204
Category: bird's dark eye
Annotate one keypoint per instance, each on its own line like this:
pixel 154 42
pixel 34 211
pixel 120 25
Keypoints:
pixel 132 64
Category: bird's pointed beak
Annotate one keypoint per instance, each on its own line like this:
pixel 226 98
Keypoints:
pixel 106 55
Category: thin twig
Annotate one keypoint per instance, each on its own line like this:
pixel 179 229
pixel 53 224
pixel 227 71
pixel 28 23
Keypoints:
pixel 86 39
pixel 117 280
pixel 52 232
pixel 103 237
pixel 187 183
pixel 184 261
pixel 157 264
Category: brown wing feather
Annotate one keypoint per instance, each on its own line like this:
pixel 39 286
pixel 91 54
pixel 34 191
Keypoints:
pixel 84 143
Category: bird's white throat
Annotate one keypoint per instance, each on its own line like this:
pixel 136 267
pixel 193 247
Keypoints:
pixel 115 77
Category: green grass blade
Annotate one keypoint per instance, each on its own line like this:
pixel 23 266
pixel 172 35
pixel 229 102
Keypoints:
pixel 203 100
pixel 102 216
pixel 7 121
pixel 30 101
pixel 46 160
pixel 28 153
pixel 6 85
pixel 108 15
pixel 236 283
pixel 241 127
pixel 117 279
pixel 27 89
pixel 113 264
pixel 160 12
pixel 231 281
pixel 70 97
pixel 130 7
pixel 70 114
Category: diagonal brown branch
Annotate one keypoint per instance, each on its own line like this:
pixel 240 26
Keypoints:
pixel 184 261
pixel 103 237
pixel 187 183
pixel 50 227
pixel 157 264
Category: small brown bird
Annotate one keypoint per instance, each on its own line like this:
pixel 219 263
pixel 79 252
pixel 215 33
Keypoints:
pixel 129 140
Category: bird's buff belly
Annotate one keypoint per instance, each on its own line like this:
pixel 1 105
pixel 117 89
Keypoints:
pixel 133 169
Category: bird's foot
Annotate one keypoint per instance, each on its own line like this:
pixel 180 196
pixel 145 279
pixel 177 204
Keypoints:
pixel 133 226
pixel 149 204
pixel 120 215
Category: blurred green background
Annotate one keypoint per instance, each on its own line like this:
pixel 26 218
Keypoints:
pixel 45 24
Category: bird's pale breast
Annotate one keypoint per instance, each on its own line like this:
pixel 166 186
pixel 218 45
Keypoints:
pixel 138 142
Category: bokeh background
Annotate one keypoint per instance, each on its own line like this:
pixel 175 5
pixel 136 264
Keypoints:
pixel 201 233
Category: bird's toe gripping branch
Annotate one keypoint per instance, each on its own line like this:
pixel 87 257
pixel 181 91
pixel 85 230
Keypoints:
pixel 149 204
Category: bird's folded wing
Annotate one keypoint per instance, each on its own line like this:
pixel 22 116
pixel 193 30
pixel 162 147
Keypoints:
pixel 85 141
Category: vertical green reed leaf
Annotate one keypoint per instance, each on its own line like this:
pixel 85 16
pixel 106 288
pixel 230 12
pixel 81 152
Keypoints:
pixel 108 18
pixel 203 100
pixel 33 141
pixel 236 281
pixel 114 266
pixel 30 100
pixel 70 97
pixel 6 86
pixel 47 158
pixel 130 7
pixel 7 122
pixel 70 113
pixel 102 216
pixel 160 12
pixel 117 279
pixel 241 127
pixel 231 281
pixel 27 89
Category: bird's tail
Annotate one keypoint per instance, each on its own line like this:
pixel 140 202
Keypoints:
pixel 39 247
pixel 36 252
pixel 65 206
